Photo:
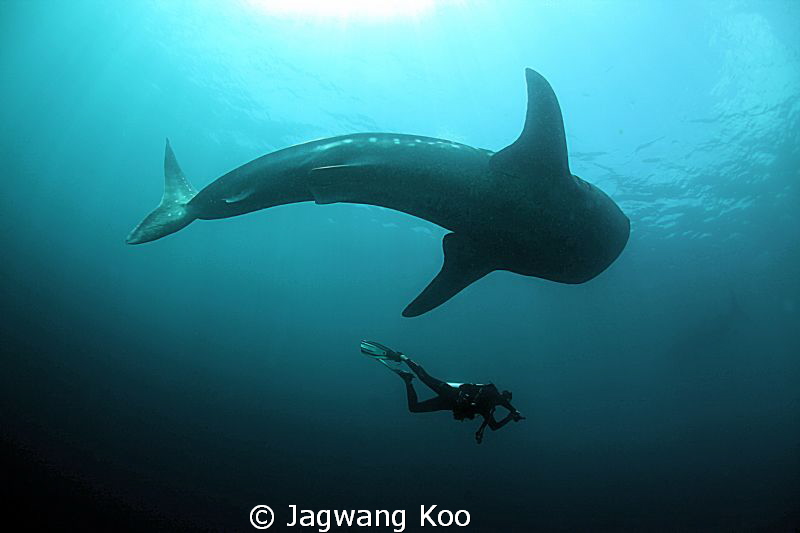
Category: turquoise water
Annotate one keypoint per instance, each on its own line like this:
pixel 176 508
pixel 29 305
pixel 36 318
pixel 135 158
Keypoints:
pixel 179 383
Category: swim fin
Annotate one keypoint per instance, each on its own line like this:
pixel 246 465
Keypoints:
pixel 385 355
pixel 379 351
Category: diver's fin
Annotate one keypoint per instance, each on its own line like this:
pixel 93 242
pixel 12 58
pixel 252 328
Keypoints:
pixel 388 357
pixel 541 149
pixel 463 264
pixel 379 351
pixel 338 183
pixel 171 214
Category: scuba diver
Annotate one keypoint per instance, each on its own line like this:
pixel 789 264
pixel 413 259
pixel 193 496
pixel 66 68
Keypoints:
pixel 465 399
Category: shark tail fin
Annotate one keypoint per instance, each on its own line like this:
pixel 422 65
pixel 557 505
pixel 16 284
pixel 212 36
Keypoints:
pixel 172 213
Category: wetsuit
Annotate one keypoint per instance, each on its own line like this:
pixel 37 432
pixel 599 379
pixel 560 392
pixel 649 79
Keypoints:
pixel 465 400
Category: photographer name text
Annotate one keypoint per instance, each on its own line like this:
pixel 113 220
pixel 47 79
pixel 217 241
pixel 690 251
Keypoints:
pixel 262 517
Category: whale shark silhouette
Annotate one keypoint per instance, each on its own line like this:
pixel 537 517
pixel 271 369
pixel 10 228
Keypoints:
pixel 519 209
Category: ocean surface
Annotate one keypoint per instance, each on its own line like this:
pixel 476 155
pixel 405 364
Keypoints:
pixel 177 384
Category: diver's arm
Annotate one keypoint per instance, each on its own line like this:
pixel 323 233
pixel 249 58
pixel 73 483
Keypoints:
pixel 516 416
pixel 494 424
pixel 479 433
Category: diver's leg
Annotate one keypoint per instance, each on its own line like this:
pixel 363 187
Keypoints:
pixel 415 406
pixel 436 385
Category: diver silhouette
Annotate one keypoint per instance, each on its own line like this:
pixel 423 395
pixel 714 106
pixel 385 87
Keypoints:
pixel 465 400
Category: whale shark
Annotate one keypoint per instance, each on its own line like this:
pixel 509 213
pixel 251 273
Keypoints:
pixel 519 209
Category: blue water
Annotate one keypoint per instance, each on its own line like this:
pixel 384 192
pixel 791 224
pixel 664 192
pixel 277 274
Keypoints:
pixel 179 383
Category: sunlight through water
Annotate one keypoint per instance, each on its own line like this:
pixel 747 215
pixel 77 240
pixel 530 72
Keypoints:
pixel 344 9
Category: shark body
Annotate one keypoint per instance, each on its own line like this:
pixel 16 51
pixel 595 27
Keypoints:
pixel 520 209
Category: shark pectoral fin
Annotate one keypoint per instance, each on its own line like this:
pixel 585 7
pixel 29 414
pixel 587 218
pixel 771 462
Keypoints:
pixel 336 183
pixel 463 265
pixel 541 149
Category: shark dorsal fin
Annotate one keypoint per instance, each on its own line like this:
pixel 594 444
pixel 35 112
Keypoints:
pixel 463 265
pixel 541 149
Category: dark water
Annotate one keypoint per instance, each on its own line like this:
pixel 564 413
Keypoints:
pixel 180 383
